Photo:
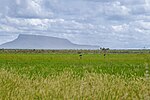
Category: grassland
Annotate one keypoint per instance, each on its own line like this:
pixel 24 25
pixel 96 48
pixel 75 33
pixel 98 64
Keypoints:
pixel 66 76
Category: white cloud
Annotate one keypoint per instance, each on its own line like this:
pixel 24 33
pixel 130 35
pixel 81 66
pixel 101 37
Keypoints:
pixel 111 23
pixel 120 28
pixel 147 7
pixel 116 7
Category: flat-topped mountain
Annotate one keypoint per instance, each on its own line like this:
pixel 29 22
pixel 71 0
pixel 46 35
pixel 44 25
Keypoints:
pixel 43 42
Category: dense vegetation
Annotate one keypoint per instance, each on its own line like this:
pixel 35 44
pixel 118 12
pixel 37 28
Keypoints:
pixel 58 75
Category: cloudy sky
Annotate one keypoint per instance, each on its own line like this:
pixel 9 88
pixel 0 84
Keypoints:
pixel 107 23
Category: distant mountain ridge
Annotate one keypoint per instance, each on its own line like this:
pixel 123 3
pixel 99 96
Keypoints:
pixel 43 42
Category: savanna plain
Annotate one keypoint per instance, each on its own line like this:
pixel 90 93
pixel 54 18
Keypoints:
pixel 57 75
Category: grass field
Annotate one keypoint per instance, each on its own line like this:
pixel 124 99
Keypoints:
pixel 66 76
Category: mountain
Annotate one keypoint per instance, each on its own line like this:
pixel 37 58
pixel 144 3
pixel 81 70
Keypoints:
pixel 43 42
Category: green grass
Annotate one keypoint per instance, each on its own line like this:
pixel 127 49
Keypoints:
pixel 46 64
pixel 66 76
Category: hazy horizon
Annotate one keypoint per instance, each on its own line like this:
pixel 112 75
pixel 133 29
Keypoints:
pixel 43 42
pixel 106 23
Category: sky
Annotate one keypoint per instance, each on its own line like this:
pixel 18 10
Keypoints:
pixel 106 23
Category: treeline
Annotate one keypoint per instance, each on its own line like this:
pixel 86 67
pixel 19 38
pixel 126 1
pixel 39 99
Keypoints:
pixel 100 51
pixel 44 51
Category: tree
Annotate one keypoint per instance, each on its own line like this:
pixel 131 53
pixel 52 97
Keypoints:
pixel 104 50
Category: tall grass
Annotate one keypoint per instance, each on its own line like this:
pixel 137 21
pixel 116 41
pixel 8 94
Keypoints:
pixel 66 86
pixel 66 76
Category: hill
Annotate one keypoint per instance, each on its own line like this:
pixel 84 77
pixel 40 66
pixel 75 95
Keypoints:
pixel 43 42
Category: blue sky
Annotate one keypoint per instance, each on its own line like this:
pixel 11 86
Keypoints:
pixel 107 23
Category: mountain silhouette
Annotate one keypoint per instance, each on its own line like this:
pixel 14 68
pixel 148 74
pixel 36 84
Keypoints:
pixel 43 42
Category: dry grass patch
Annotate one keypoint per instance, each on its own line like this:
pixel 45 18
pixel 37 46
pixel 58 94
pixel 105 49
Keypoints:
pixel 67 86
